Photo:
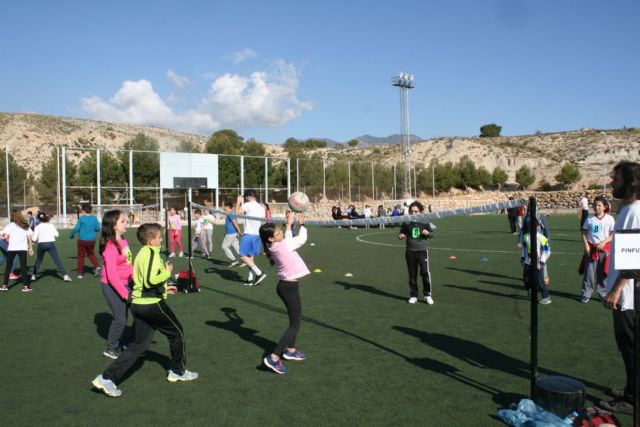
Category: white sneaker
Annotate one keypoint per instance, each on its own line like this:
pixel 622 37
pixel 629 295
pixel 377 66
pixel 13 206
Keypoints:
pixel 66 278
pixel 412 300
pixel 106 386
pixel 172 255
pixel 181 254
pixel 186 376
pixel 428 300
pixel 33 278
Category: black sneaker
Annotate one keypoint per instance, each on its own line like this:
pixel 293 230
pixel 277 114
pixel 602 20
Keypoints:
pixel 259 279
pixel 248 282
pixel 619 405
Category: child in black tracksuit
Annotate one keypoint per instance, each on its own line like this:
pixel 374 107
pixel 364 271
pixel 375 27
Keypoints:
pixel 416 233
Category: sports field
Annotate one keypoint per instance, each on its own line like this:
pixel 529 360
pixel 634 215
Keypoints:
pixel 372 359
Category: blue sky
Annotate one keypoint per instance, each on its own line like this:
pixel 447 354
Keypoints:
pixel 279 69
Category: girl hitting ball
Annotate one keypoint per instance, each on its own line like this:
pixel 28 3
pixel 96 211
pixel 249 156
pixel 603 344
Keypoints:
pixel 281 250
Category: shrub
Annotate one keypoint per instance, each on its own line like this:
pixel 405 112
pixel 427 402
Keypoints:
pixel 490 130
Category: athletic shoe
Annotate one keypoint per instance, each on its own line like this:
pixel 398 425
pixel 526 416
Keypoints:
pixel 79 276
pixel 4 288
pixel 248 282
pixel 13 276
pixel 181 254
pixel 259 279
pixel 584 300
pixel 233 263
pixel 66 278
pixel 172 377
pixel 616 405
pixel 172 255
pixel 412 300
pixel 33 278
pixel 97 272
pixel 106 386
pixel 276 366
pixel 428 300
pixel 244 264
pixel 294 355
pixel 111 354
pixel 617 392
pixel 26 288
pixel 545 301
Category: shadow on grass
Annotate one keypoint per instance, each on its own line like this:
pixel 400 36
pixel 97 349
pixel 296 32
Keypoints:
pixel 151 356
pixel 225 273
pixel 488 292
pixel 479 356
pixel 103 323
pixel 370 289
pixel 483 273
pixel 234 324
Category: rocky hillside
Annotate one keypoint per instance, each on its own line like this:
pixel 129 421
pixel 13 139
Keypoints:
pixel 30 136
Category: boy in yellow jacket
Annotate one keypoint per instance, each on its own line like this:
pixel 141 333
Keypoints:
pixel 150 313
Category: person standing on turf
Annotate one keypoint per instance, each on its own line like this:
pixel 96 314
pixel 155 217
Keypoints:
pixel 597 233
pixel 250 240
pixel 175 232
pixel 282 251
pixel 584 210
pixel 416 233
pixel 543 250
pixel 620 298
pixel 150 313
pixel 45 235
pixel 18 233
pixel 116 276
pixel 87 227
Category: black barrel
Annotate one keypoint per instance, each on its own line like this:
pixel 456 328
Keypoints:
pixel 560 395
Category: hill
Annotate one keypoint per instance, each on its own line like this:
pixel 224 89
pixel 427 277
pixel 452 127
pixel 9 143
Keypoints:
pixel 32 136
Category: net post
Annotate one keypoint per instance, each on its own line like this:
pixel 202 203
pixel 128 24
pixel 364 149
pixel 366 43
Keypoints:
pixel 533 285
pixel 166 229
pixel 189 239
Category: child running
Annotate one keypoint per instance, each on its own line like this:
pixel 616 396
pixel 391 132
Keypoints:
pixel 416 253
pixel 544 252
pixel 116 276
pixel 231 234
pixel 150 313
pixel 87 227
pixel 175 232
pixel 45 234
pixel 19 235
pixel 281 251
pixel 200 238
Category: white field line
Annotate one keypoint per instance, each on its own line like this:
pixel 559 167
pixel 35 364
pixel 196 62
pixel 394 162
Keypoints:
pixel 360 238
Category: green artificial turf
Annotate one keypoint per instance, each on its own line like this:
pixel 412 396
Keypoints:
pixel 373 359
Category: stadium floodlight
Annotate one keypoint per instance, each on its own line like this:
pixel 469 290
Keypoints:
pixel 404 82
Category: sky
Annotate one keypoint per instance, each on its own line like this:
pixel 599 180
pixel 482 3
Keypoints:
pixel 272 70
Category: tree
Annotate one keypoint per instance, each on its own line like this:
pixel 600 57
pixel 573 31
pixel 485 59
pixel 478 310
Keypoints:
pixel 188 146
pixel 353 143
pixel 466 173
pixel 525 177
pixel 499 176
pixel 490 130
pixel 46 184
pixel 569 174
pixel 226 141
pixel 483 177
pixel 17 177
pixel 146 166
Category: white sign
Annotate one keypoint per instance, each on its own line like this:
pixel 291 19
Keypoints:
pixel 188 165
pixel 627 251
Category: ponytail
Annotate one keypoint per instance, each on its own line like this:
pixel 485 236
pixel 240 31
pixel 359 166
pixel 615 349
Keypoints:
pixel 266 232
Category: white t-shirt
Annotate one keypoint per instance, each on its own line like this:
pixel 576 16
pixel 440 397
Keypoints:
pixel 584 203
pixel 253 208
pixel 45 232
pixel 367 212
pixel 17 237
pixel 208 221
pixel 628 218
pixel 199 225
pixel 599 229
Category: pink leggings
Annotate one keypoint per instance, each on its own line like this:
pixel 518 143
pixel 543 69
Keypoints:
pixel 175 235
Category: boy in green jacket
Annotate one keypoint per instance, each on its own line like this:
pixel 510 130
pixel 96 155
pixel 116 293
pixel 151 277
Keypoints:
pixel 150 313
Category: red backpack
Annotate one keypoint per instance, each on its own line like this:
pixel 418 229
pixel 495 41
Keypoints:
pixel 593 417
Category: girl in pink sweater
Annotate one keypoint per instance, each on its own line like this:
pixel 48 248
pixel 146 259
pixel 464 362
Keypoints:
pixel 117 271
pixel 281 250
pixel 174 225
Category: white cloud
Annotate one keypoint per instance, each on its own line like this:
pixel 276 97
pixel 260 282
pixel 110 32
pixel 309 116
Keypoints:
pixel 242 55
pixel 178 81
pixel 263 98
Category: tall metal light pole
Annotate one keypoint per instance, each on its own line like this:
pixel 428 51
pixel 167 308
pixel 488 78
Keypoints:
pixel 404 82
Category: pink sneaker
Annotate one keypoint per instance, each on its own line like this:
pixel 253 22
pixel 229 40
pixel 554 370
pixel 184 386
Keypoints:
pixel 13 276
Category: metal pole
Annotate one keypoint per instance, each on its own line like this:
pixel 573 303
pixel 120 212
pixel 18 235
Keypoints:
pixel 288 177
pixel 6 164
pixel 99 185
pixel 636 349
pixel 131 178
pixel 395 193
pixel 161 203
pixel 324 178
pixel 266 180
pixel 349 174
pixel 64 182
pixel 415 184
pixel 241 175
pixel 58 182
pixel 533 285
pixel 189 237
pixel 373 184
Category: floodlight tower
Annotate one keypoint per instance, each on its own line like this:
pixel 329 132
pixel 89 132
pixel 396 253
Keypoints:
pixel 404 82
